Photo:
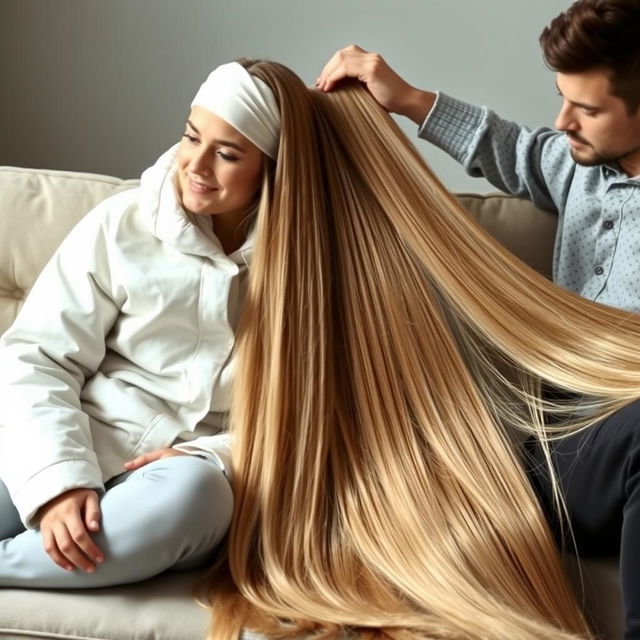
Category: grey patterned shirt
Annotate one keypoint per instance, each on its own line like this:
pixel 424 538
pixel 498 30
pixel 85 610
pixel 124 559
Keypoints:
pixel 597 249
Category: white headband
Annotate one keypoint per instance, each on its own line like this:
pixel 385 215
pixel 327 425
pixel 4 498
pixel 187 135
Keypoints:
pixel 245 102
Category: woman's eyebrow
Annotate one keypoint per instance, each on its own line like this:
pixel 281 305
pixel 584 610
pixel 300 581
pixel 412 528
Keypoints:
pixel 224 143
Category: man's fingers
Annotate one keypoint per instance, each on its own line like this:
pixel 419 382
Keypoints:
pixel 384 84
pixel 343 64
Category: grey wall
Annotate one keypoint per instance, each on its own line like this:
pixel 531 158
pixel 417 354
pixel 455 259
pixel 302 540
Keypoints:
pixel 104 85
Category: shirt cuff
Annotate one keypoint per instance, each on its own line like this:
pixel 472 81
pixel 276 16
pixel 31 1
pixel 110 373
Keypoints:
pixel 452 125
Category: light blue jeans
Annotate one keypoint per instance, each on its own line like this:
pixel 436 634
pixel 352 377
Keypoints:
pixel 169 514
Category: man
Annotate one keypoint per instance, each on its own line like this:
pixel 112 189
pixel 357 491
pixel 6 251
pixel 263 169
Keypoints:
pixel 588 171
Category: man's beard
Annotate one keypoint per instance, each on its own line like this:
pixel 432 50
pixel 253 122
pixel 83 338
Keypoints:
pixel 593 159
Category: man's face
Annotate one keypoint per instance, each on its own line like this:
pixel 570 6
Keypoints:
pixel 598 126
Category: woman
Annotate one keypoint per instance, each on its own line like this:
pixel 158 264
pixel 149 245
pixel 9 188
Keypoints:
pixel 115 375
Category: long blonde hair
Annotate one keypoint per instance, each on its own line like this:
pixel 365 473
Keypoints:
pixel 388 348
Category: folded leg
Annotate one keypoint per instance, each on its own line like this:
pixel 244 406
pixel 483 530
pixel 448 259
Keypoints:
pixel 168 514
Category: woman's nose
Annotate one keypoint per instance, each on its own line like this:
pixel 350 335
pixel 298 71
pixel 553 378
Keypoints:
pixel 199 163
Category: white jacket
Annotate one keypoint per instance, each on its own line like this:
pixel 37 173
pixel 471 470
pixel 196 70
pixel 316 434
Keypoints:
pixel 122 347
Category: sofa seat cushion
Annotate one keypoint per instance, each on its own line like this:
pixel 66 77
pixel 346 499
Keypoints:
pixel 161 608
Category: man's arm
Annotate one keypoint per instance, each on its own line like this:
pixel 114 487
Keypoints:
pixel 532 164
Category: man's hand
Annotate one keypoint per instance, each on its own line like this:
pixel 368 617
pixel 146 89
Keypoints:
pixel 384 84
pixel 140 461
pixel 66 523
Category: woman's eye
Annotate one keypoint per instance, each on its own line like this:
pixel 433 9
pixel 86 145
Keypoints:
pixel 227 157
pixel 189 138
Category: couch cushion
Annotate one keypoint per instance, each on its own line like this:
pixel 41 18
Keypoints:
pixel 525 230
pixel 37 210
pixel 161 608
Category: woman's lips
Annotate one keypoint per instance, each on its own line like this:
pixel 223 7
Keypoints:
pixel 198 187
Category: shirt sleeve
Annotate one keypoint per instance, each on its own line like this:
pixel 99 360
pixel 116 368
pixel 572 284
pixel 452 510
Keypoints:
pixel 534 164
pixel 55 344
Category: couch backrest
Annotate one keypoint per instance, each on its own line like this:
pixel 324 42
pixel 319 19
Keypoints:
pixel 37 210
pixel 528 232
pixel 39 207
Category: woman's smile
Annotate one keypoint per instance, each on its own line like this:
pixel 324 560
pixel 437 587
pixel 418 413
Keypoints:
pixel 199 187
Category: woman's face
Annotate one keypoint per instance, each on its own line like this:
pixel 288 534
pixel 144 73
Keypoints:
pixel 219 170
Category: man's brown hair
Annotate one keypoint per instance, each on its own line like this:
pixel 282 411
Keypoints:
pixel 595 34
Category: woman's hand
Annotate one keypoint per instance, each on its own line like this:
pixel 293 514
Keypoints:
pixel 140 461
pixel 66 523
pixel 384 84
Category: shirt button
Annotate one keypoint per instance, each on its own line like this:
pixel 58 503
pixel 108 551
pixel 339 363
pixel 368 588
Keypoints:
pixel 608 225
pixel 598 271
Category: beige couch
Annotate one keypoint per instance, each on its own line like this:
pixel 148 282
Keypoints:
pixel 37 209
